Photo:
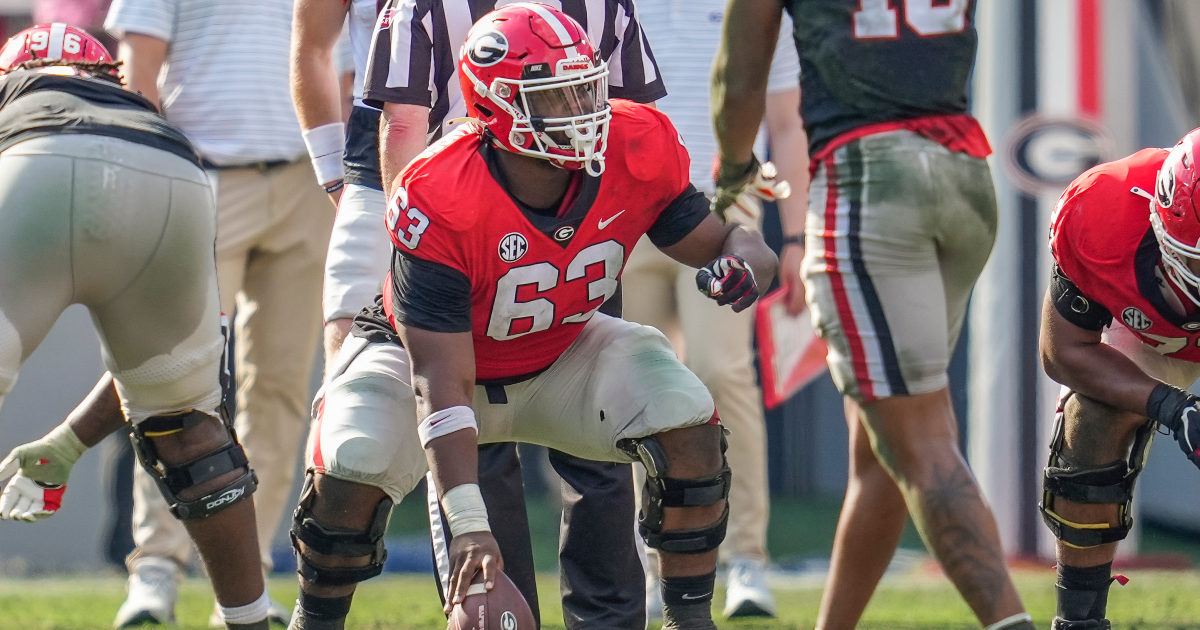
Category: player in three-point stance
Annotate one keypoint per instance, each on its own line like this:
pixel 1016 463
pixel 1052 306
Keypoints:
pixel 1126 244
pixel 509 234
pixel 103 203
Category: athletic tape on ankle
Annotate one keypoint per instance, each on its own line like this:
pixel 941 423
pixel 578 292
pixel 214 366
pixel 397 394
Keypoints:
pixel 1008 622
pixel 250 613
pixel 445 422
pixel 465 510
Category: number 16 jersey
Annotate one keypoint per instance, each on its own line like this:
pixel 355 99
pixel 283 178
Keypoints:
pixel 469 257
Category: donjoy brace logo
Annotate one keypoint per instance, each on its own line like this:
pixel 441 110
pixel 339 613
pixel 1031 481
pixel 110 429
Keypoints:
pixel 228 497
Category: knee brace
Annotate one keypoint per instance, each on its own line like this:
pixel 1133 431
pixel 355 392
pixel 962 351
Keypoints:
pixel 1110 484
pixel 663 492
pixel 338 542
pixel 173 479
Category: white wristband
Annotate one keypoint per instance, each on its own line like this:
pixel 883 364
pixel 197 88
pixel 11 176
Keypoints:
pixel 465 511
pixel 325 145
pixel 445 422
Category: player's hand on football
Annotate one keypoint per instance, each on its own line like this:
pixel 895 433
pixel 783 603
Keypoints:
pixel 39 472
pixel 743 187
pixel 1178 411
pixel 728 280
pixel 469 554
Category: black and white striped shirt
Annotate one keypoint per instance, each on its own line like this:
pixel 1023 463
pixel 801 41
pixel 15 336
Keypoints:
pixel 414 57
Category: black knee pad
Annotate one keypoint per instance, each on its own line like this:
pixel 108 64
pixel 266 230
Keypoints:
pixel 173 479
pixel 663 491
pixel 338 542
pixel 1110 484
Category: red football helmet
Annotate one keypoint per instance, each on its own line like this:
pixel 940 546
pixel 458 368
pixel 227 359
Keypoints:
pixel 1175 216
pixel 51 41
pixel 531 77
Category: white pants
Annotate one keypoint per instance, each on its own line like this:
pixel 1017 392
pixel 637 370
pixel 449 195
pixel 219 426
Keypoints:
pixel 273 232
pixel 359 253
pixel 617 381
pixel 126 230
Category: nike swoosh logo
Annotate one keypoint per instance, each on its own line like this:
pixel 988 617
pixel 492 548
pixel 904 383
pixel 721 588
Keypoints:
pixel 686 596
pixel 604 222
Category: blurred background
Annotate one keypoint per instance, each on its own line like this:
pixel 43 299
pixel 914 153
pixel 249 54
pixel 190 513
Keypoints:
pixel 1060 85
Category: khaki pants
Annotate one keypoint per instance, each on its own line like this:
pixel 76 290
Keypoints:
pixel 659 292
pixel 272 234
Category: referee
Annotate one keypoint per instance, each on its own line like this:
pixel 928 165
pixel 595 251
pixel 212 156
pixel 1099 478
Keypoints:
pixel 412 76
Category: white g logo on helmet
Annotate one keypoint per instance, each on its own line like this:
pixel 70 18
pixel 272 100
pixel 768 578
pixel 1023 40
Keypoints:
pixel 487 48
pixel 1164 188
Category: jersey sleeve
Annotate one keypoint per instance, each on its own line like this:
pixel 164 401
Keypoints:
pixel 400 62
pixel 679 218
pixel 155 18
pixel 633 72
pixel 429 295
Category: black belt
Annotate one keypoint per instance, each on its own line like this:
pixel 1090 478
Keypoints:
pixel 495 386
pixel 264 165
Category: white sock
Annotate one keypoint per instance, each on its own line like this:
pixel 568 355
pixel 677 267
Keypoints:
pixel 250 613
pixel 1011 621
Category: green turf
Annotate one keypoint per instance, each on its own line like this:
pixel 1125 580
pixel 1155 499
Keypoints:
pixel 1159 601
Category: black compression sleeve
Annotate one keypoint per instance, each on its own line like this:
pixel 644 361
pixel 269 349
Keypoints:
pixel 679 218
pixel 429 295
pixel 1076 307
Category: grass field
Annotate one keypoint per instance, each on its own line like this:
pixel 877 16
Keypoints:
pixel 1151 601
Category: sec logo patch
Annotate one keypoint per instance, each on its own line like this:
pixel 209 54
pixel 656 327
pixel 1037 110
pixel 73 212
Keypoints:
pixel 1136 319
pixel 512 247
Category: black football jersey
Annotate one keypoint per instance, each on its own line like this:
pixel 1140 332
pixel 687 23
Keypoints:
pixel 875 61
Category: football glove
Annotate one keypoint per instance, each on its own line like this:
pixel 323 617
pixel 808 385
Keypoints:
pixel 728 280
pixel 41 469
pixel 742 186
pixel 1178 411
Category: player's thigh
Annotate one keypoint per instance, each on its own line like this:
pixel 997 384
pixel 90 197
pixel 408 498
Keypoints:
pixel 359 253
pixel 648 289
pixel 872 270
pixel 619 381
pixel 159 323
pixel 365 421
pixel 35 254
pixel 967 223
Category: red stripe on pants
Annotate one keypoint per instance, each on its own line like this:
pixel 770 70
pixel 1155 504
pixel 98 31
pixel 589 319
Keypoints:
pixel 858 356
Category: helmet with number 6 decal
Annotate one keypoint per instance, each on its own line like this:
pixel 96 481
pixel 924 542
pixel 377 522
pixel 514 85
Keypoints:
pixel 48 42
pixel 1175 216
pixel 531 77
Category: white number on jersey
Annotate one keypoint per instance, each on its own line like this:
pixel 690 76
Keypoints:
pixel 506 308
pixel 877 19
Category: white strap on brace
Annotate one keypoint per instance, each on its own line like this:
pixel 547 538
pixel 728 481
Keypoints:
pixel 465 511
pixel 445 422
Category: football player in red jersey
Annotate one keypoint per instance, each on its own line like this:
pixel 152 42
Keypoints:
pixel 509 235
pixel 1122 251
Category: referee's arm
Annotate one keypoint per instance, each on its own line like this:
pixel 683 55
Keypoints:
pixel 316 89
pixel 402 133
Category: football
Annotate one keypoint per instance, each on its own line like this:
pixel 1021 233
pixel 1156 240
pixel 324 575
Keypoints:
pixel 502 608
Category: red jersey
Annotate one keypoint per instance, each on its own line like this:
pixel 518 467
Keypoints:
pixel 529 280
pixel 1102 241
